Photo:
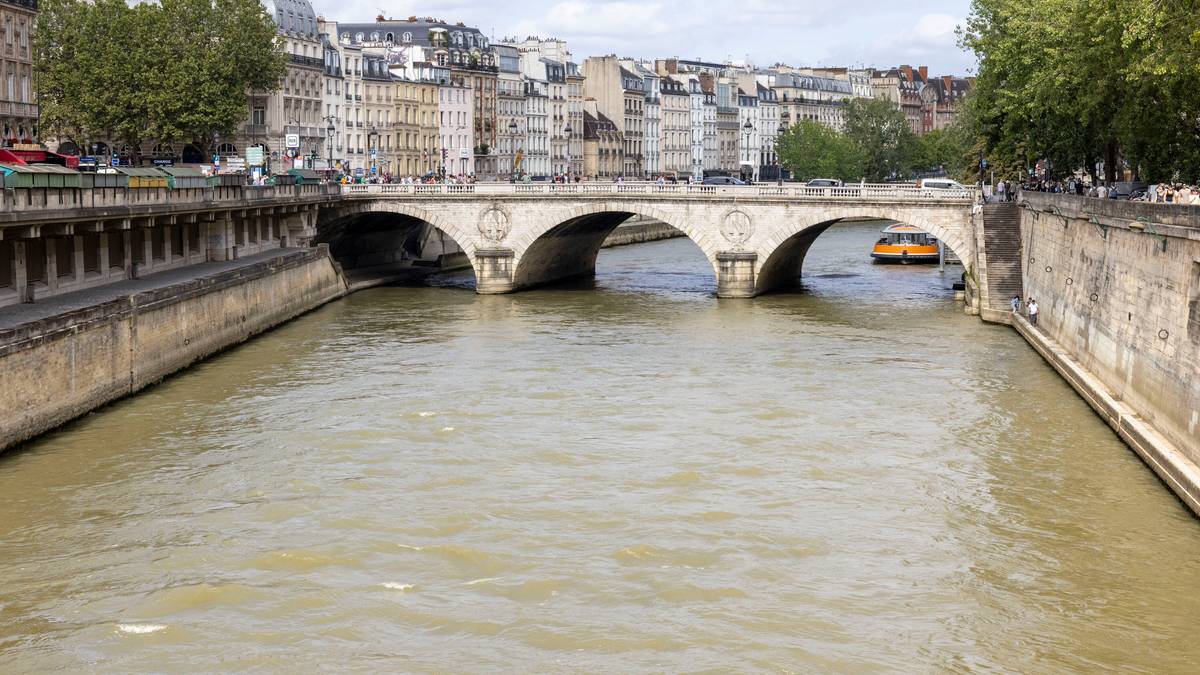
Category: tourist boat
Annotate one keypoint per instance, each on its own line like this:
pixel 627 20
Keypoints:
pixel 905 244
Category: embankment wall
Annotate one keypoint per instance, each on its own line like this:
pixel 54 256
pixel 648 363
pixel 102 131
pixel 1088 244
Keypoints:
pixel 56 369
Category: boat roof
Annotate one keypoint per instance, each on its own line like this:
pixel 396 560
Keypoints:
pixel 901 227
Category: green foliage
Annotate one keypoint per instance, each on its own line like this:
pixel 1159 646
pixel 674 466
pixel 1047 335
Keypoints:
pixel 883 138
pixel 810 150
pixel 178 70
pixel 1077 82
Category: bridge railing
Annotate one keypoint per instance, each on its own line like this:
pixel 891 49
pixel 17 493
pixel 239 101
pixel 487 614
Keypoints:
pixel 797 192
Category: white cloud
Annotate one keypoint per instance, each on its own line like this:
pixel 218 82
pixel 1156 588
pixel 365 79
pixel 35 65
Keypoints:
pixel 935 30
pixel 847 32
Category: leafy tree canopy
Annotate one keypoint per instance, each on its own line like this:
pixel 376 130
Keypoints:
pixel 810 150
pixel 1077 81
pixel 176 70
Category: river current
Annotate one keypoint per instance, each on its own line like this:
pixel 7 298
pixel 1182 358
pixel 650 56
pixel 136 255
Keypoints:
pixel 630 476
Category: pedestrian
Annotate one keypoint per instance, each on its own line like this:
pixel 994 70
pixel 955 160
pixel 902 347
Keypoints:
pixel 1000 190
pixel 1015 303
pixel 1033 312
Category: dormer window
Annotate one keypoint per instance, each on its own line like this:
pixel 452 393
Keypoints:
pixel 406 38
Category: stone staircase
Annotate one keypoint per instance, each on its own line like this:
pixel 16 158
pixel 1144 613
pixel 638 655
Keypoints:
pixel 1002 248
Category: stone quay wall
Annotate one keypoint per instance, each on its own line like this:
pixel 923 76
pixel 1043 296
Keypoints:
pixel 1118 285
pixel 59 368
pixel 639 230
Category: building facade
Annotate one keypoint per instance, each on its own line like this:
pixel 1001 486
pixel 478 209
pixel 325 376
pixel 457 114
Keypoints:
pixel 603 147
pixel 510 110
pixel 456 119
pixel 676 137
pixel 18 103
pixel 295 109
pixel 620 96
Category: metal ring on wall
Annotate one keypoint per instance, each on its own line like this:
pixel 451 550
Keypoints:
pixel 1095 297
pixel 1070 281
pixel 1032 260
pixel 1049 268
pixel 1163 334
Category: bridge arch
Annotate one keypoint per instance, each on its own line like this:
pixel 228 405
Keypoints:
pixel 564 243
pixel 377 232
pixel 781 256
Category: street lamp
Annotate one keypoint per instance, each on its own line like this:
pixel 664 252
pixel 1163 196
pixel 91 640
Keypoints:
pixel 748 128
pixel 330 130
pixel 372 145
pixel 567 134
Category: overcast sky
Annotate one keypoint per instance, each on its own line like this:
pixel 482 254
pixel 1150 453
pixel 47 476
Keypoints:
pixel 834 32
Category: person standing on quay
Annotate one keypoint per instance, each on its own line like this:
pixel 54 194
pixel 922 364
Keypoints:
pixel 1033 312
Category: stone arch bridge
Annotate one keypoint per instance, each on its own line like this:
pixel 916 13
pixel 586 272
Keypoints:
pixel 755 237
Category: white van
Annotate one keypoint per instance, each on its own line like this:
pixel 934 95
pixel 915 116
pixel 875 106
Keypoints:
pixel 940 184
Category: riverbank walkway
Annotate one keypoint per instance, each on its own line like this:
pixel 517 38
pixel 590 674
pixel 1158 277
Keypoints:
pixel 13 316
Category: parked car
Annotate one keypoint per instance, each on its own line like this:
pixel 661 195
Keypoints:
pixel 723 180
pixel 1127 189
pixel 940 184
pixel 824 182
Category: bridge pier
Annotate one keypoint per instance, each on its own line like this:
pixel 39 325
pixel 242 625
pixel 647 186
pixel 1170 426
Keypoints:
pixel 494 270
pixel 735 274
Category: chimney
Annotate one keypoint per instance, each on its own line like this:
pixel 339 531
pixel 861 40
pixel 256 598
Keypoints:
pixel 907 72
pixel 924 73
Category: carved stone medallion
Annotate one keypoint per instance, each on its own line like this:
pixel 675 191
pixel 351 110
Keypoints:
pixel 737 227
pixel 493 224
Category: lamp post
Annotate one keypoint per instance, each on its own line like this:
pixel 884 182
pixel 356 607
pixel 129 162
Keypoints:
pixel 567 134
pixel 372 143
pixel 747 128
pixel 330 130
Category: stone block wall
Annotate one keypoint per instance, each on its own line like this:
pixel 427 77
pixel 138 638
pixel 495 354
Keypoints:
pixel 1118 284
pixel 56 369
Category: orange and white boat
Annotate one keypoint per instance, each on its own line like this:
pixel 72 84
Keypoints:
pixel 905 244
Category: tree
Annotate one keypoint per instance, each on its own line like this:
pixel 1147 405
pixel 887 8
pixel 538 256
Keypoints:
pixel 1077 82
pixel 810 150
pixel 882 138
pixel 177 70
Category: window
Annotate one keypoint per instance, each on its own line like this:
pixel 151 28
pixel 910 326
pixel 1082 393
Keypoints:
pixel 406 38
pixel 258 115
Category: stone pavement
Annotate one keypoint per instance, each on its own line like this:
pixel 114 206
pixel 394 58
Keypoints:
pixel 12 316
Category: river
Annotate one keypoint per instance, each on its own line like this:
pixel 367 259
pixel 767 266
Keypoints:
pixel 634 476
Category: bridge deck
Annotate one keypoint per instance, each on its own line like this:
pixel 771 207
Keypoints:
pixel 863 192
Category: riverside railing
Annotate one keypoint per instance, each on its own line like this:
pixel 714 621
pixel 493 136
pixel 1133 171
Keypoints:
pixel 795 192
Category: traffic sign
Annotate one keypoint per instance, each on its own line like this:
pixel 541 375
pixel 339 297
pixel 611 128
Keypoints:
pixel 292 140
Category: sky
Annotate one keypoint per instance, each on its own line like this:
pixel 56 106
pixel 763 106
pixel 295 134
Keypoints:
pixel 875 33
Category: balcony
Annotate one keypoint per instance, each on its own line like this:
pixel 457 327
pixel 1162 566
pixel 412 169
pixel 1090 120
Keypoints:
pixel 256 129
pixel 309 61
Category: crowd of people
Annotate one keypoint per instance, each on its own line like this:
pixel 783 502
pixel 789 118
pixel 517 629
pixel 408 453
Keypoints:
pixel 1161 193
pixel 1167 193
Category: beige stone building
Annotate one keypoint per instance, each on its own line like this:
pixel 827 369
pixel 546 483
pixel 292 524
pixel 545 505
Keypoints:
pixel 675 141
pixel 603 146
pixel 621 97
pixel 296 108
pixel 18 109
